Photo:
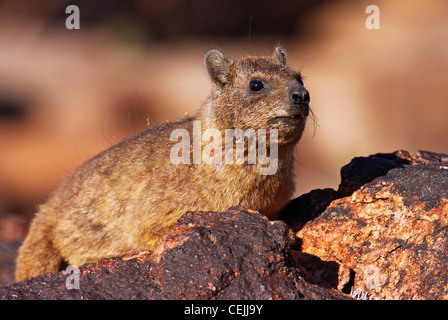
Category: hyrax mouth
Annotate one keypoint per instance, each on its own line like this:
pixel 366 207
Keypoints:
pixel 298 115
pixel 292 117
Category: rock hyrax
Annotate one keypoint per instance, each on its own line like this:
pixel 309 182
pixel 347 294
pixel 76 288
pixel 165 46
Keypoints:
pixel 130 195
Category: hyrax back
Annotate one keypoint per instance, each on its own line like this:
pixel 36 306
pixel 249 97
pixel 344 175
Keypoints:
pixel 130 195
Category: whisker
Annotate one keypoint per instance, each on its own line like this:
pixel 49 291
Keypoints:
pixel 315 121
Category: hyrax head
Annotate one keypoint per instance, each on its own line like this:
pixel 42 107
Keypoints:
pixel 257 93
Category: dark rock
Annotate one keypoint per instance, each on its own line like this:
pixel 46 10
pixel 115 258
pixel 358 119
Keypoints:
pixel 305 208
pixel 358 172
pixel 362 170
pixel 238 254
pixel 315 270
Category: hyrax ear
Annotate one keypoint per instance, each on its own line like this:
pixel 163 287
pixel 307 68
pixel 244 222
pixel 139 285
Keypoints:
pixel 280 55
pixel 217 67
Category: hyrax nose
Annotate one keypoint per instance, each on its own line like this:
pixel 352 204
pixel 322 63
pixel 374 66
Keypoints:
pixel 300 96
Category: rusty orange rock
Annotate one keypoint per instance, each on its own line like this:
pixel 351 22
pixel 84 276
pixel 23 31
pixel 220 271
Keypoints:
pixel 390 237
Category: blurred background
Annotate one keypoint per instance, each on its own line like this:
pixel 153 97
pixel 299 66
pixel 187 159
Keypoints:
pixel 66 95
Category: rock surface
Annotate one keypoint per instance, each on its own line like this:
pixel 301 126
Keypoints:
pixel 382 235
pixel 238 254
pixel 390 237
pixel 358 172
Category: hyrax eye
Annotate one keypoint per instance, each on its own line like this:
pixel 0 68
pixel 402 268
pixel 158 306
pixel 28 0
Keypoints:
pixel 256 85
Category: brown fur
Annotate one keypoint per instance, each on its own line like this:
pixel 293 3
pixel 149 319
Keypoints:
pixel 130 195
